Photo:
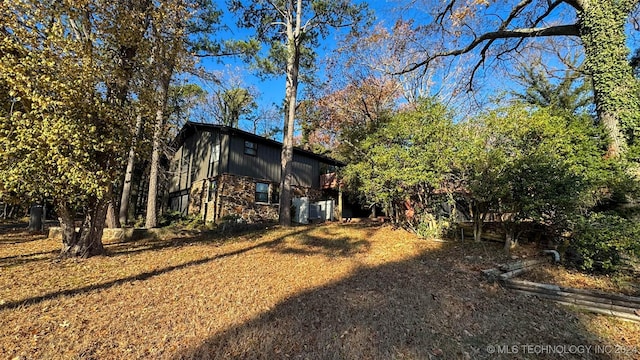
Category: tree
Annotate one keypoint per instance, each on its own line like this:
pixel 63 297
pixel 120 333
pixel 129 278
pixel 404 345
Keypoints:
pixel 406 161
pixel 185 102
pixel 382 52
pixel 467 27
pixel 125 195
pixel 181 31
pixel 539 171
pixel 264 121
pixel 61 136
pixel 233 103
pixel 292 29
pixel 340 119
pixel 571 93
pixel 168 33
pixel 126 41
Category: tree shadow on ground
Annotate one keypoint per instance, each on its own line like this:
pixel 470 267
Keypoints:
pixel 20 236
pixel 151 242
pixel 327 243
pixel 15 260
pixel 322 247
pixel 176 238
pixel 137 277
pixel 433 306
pixel 323 243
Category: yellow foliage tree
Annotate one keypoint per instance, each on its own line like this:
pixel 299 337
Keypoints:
pixel 60 137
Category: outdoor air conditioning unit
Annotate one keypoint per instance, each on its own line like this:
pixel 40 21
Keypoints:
pixel 326 208
pixel 315 212
pixel 301 210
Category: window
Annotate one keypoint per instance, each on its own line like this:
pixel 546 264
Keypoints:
pixel 185 182
pixel 250 148
pixel 179 201
pixel 215 159
pixel 275 194
pixel 213 184
pixel 262 192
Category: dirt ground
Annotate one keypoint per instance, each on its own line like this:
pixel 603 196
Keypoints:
pixel 356 291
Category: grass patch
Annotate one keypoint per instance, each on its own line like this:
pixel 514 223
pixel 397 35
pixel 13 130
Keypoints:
pixel 319 292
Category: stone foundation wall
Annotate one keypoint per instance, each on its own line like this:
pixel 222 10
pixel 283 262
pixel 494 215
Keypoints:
pixel 197 197
pixel 235 197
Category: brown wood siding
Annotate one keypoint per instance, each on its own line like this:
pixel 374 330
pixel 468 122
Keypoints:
pixel 306 171
pixel 174 171
pixel 224 154
pixel 197 148
pixel 264 165
pixel 185 163
pixel 201 155
pixel 205 145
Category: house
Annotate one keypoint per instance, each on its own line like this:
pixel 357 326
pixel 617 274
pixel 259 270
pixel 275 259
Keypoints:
pixel 220 172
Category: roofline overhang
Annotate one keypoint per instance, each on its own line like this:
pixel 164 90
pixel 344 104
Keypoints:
pixel 224 129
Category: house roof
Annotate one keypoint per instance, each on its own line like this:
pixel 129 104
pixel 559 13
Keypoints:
pixel 191 127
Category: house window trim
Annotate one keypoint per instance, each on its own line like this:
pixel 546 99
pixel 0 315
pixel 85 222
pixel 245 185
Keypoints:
pixel 271 190
pixel 212 190
pixel 250 150
pixel 214 160
pixel 256 193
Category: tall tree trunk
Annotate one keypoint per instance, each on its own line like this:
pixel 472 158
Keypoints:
pixel 291 93
pixel 92 229
pixel 88 241
pixel 112 222
pixel 510 227
pixel 602 27
pixel 478 221
pixel 477 228
pixel 68 228
pixel 126 186
pixel 151 219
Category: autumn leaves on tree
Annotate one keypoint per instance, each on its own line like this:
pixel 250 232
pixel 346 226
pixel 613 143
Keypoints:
pixel 80 83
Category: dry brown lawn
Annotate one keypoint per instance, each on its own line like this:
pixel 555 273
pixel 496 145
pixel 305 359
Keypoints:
pixel 315 292
pixel 626 282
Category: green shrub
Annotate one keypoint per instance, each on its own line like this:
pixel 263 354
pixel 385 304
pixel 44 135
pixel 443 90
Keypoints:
pixel 431 228
pixel 599 241
pixel 170 217
pixel 139 222
pixel 176 219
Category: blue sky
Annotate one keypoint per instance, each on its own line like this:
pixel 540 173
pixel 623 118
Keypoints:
pixel 272 90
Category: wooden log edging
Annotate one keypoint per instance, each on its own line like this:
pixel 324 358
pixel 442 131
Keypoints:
pixel 507 271
pixel 623 306
pixel 522 264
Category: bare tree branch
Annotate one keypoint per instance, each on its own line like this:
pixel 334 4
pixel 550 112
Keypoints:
pixel 447 9
pixel 514 13
pixel 550 8
pixel 565 30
